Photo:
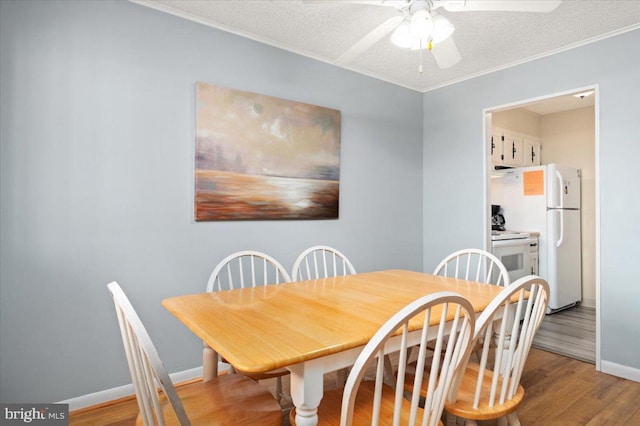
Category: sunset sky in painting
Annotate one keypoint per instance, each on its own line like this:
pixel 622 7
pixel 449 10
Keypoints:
pixel 256 134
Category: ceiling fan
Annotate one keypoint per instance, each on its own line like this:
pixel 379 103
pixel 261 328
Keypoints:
pixel 419 25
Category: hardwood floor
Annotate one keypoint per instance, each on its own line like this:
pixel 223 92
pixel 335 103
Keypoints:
pixel 558 391
pixel 565 391
pixel 571 332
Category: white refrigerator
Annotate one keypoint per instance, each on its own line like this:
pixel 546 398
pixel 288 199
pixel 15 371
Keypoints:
pixel 546 199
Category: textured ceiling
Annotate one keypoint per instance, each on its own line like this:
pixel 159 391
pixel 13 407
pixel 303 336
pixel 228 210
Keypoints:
pixel 487 41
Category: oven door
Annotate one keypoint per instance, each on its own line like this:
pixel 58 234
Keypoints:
pixel 515 255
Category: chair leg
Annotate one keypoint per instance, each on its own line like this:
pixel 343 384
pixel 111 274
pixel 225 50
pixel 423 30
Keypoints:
pixel 209 364
pixel 451 419
pixel 281 395
pixel 513 419
pixel 278 388
pixel 389 377
pixel 458 421
pixel 341 377
pixel 502 421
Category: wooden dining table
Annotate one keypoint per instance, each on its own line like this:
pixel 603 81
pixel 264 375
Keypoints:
pixel 310 327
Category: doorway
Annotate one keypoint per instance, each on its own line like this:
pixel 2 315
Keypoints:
pixel 566 126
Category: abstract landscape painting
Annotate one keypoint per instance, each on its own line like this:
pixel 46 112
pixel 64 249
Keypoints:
pixel 263 158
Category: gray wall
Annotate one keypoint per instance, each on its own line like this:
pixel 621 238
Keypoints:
pixel 453 147
pixel 97 137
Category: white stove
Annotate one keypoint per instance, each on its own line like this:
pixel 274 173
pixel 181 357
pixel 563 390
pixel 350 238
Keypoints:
pixel 513 250
pixel 508 235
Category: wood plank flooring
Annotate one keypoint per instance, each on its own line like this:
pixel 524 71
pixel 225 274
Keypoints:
pixel 571 332
pixel 558 391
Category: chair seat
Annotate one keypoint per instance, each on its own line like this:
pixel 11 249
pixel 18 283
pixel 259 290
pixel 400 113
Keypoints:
pixel 463 407
pixel 216 403
pixel 331 405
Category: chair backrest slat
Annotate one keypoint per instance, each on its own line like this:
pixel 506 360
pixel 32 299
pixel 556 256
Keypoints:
pixel 505 330
pixel 453 331
pixel 246 268
pixel 320 262
pixel 463 262
pixel 147 370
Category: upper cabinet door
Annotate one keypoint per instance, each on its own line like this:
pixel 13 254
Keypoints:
pixel 531 151
pixel 513 150
pixel 495 148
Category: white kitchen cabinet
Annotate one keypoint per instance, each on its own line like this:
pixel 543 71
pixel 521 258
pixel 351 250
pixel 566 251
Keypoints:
pixel 496 148
pixel 512 150
pixel 531 151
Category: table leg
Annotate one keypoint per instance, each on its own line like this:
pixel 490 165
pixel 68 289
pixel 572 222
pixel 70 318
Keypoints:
pixel 306 393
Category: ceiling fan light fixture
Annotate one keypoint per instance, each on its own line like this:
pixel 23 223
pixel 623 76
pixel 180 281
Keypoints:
pixel 403 39
pixel 401 36
pixel 421 24
pixel 442 28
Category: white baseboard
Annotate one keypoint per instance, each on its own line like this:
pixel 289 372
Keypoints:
pixel 623 371
pixel 126 390
pixel 589 303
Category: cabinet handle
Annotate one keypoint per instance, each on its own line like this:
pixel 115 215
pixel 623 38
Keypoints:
pixel 502 155
pixel 533 155
pixel 492 145
pixel 513 150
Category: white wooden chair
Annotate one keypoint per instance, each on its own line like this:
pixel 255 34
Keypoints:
pixel 243 269
pixel 474 265
pixel 246 268
pixel 320 262
pixel 225 400
pixel 324 262
pixel 363 402
pixel 490 389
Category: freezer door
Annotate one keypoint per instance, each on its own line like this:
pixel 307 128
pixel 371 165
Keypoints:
pixel 563 187
pixel 564 258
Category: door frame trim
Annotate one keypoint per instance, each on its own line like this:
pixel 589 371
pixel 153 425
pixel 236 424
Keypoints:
pixel 486 130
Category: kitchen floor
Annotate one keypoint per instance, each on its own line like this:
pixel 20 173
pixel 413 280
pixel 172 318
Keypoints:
pixel 571 332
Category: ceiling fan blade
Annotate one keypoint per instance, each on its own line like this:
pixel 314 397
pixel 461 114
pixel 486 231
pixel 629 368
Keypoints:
pixel 446 53
pixel 394 3
pixel 543 6
pixel 369 40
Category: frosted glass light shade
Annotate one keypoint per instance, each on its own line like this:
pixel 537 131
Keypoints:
pixel 401 36
pixel 421 24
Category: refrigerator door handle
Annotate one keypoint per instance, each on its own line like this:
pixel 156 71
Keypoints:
pixel 560 197
pixel 560 207
pixel 561 237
